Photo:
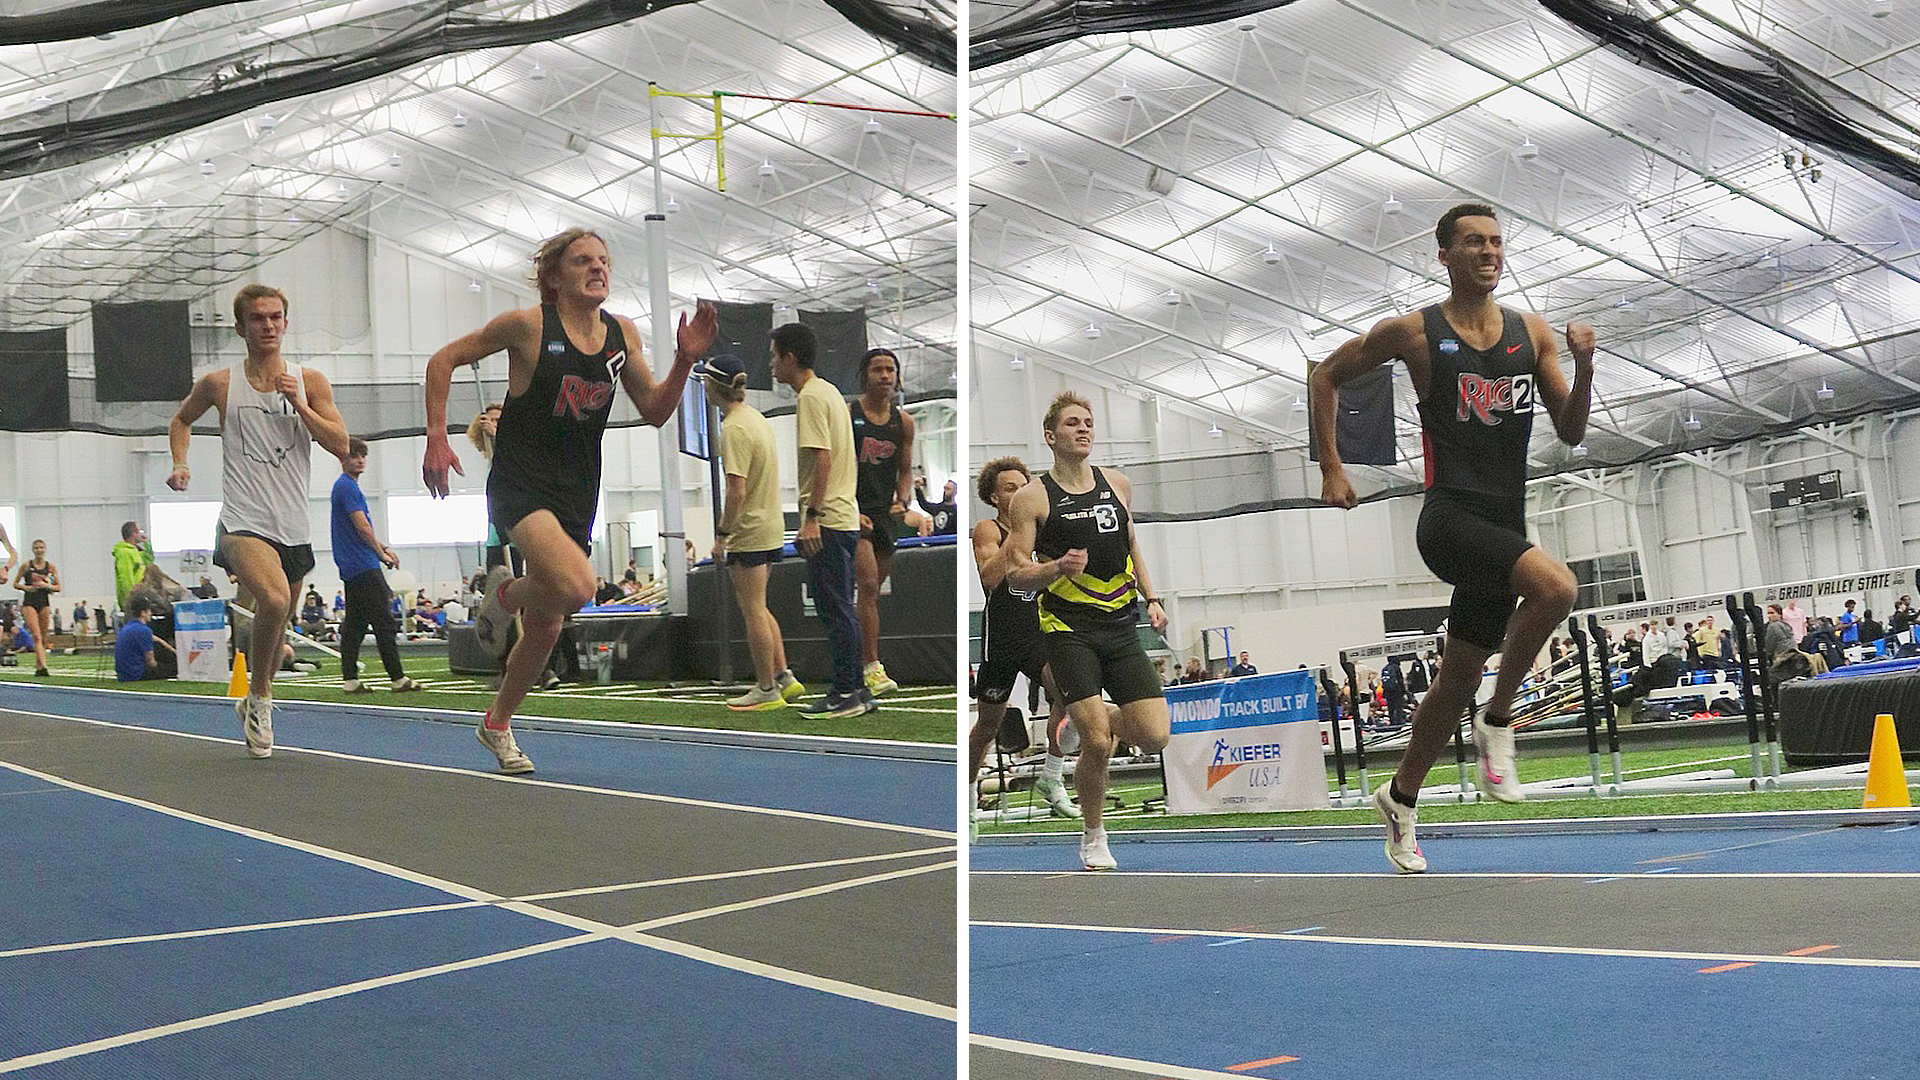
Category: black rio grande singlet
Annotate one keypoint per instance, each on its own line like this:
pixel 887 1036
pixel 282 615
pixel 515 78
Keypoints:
pixel 548 445
pixel 876 450
pixel 1012 624
pixel 1477 414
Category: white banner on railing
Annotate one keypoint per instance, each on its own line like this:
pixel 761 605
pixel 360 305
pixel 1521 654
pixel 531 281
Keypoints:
pixel 1245 745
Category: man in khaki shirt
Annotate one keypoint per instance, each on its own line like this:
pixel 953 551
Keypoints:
pixel 829 518
pixel 749 539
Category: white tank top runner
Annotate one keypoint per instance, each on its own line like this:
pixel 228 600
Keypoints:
pixel 265 447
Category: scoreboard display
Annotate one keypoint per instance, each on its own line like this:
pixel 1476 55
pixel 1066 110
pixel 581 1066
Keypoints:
pixel 1800 490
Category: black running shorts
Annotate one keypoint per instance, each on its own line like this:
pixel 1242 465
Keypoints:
pixel 507 505
pixel 1085 662
pixel 295 561
pixel 1472 541
pixel 994 681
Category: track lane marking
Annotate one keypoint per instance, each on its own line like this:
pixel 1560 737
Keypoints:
pixel 1469 946
pixel 1109 1061
pixel 451 770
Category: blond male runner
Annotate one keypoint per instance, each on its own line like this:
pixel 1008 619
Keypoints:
pixel 1077 518
pixel 749 538
pixel 566 359
pixel 1477 368
pixel 272 411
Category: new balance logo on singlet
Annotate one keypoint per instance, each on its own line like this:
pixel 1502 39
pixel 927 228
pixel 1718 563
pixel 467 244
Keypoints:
pixel 1482 398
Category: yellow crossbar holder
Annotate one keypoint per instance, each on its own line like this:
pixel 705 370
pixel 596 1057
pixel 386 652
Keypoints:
pixel 718 137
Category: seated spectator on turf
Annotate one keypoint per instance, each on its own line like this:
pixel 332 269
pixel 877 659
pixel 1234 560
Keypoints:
pixel 206 590
pixel 313 615
pixel 1243 667
pixel 133 658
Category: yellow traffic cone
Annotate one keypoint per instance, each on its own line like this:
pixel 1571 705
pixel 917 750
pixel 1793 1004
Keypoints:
pixel 1886 777
pixel 237 686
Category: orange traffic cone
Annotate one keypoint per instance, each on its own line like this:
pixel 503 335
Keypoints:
pixel 1886 777
pixel 237 686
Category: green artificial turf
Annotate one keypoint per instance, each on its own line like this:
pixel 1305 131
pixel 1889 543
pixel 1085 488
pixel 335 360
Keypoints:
pixel 909 714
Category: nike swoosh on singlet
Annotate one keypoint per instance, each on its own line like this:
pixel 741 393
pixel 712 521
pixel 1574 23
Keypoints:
pixel 1511 349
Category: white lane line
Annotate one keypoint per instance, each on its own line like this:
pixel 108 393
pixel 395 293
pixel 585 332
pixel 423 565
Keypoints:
pixel 855 747
pixel 1082 1057
pixel 1471 946
pixel 758 871
pixel 1230 941
pixel 806 980
pixel 675 800
pixel 360 916
pixel 246 928
pixel 28 1061
pixel 1672 873
pixel 781 898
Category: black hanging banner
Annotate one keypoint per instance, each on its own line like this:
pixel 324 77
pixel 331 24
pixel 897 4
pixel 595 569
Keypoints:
pixel 843 341
pixel 141 351
pixel 33 381
pixel 1365 428
pixel 743 331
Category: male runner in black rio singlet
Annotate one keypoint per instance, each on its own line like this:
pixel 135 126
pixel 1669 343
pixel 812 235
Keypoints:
pixel 1477 368
pixel 1077 518
pixel 566 361
pixel 882 482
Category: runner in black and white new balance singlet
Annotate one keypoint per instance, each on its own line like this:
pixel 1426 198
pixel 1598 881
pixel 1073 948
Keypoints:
pixel 1077 524
pixel 547 450
pixel 1479 370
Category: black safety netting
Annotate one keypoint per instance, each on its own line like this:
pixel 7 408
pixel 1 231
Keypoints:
pixel 257 73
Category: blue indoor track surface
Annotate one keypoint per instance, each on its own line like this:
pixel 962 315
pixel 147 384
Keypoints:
pixel 1759 952
pixel 374 901
pixel 887 790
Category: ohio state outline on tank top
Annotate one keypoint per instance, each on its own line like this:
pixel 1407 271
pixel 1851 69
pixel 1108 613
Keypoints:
pixel 1477 417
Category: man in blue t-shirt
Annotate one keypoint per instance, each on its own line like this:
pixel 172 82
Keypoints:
pixel 1849 626
pixel 133 649
pixel 358 553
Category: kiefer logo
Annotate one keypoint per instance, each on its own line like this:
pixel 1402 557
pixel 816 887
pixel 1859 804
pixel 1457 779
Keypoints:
pixel 1483 397
pixel 1227 759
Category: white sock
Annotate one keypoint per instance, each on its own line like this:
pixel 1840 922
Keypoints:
pixel 973 790
pixel 1053 767
pixel 1098 832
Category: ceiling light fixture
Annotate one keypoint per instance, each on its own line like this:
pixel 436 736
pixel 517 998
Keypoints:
pixel 873 126
pixel 766 168
pixel 1271 255
pixel 394 162
pixel 673 205
pixel 1248 24
pixel 1125 93
pixel 1392 206
pixel 1020 156
pixel 1171 297
pixel 206 167
pixel 1299 403
pixel 268 122
pixel 1825 393
pixel 538 73
pixel 1692 422
pixel 1092 331
pixel 459 119
pixel 1016 363
pixel 1880 9
pixel 1527 150
pixel 1579 450
pixel 1215 432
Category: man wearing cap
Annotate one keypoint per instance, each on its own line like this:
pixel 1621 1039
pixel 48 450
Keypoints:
pixel 748 538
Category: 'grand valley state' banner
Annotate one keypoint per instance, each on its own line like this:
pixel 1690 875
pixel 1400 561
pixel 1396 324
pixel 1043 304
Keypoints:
pixel 1243 745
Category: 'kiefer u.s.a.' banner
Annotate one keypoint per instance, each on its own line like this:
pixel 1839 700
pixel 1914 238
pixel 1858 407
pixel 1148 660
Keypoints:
pixel 1244 745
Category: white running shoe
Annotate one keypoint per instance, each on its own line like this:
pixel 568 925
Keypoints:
pixel 973 825
pixel 493 623
pixel 354 686
pixel 404 684
pixel 1093 850
pixel 877 681
pixel 256 723
pixel 501 743
pixel 1494 746
pixel 1054 793
pixel 758 700
pixel 1403 851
